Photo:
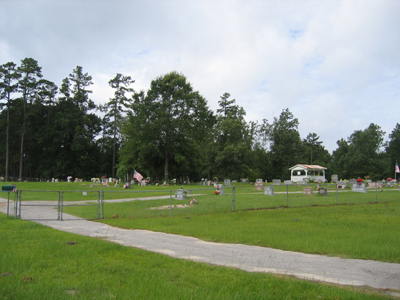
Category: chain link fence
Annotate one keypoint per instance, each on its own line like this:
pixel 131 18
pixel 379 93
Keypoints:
pixel 133 203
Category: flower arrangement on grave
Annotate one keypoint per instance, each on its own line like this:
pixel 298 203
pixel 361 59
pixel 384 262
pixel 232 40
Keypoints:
pixel 216 192
pixel 359 181
pixel 193 201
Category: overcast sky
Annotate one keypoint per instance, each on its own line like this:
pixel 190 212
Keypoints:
pixel 334 64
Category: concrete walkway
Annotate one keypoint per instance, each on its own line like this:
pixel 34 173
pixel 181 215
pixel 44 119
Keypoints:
pixel 335 270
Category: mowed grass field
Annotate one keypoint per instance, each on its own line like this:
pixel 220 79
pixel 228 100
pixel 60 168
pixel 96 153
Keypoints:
pixel 37 262
pixel 43 266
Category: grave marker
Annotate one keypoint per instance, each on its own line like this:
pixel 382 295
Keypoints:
pixel 335 178
pixel 323 191
pixel 180 195
pixel 269 191
pixel 359 188
pixel 221 190
pixel 259 185
pixel 308 190
pixel 276 182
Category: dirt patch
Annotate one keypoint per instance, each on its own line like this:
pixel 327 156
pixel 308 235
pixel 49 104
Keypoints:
pixel 169 206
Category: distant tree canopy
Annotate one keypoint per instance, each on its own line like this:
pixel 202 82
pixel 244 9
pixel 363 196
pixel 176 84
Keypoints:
pixel 164 133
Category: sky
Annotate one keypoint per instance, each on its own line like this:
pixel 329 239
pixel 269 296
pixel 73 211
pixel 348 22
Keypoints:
pixel 334 64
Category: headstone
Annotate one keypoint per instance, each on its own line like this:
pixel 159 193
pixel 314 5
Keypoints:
pixel 342 184
pixel 288 182
pixel 352 181
pixel 269 191
pixel 216 184
pixel 301 182
pixel 259 180
pixel 180 195
pixel 221 190
pixel 360 188
pixel 323 191
pixel 375 185
pixel 335 178
pixel 244 180
pixel 234 181
pixel 227 182
pixel 276 182
pixel 259 186
pixel 307 190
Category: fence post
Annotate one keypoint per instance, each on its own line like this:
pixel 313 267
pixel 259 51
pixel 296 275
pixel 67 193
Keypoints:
pixel 62 206
pixel 8 203
pixel 376 192
pixel 233 198
pixel 337 194
pixel 170 201
pixel 287 193
pixel 101 204
pixel 16 204
pixel 59 206
pixel 20 196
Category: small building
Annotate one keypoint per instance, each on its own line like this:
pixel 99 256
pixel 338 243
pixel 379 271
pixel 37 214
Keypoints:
pixel 307 172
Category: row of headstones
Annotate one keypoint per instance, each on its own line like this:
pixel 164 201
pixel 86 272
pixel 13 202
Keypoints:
pixel 360 188
pixel 269 190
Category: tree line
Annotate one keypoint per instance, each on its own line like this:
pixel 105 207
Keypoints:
pixel 166 132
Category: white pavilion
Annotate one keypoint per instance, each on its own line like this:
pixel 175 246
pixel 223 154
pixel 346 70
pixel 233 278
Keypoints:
pixel 307 172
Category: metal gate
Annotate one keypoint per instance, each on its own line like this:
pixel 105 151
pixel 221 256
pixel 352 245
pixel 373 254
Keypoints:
pixel 52 207
pixel 9 205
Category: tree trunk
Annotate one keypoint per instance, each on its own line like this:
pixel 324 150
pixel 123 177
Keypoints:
pixel 7 137
pixel 22 144
pixel 114 142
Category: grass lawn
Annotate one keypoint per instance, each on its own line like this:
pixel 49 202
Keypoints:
pixel 358 228
pixel 37 262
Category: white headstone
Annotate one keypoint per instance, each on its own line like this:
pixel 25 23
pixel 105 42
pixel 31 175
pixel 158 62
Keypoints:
pixel 269 191
pixel 360 188
pixel 180 195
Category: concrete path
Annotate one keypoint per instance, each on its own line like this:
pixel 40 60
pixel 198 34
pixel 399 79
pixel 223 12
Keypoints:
pixel 336 270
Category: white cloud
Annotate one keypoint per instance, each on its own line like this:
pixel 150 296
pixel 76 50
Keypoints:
pixel 334 64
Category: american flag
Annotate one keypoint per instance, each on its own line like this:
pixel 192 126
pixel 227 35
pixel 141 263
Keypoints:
pixel 137 176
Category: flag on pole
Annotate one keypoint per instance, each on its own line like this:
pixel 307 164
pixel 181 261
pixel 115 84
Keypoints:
pixel 397 170
pixel 137 176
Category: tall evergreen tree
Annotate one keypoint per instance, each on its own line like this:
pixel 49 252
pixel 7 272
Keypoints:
pixel 28 87
pixel 116 106
pixel 233 140
pixel 286 145
pixel 8 86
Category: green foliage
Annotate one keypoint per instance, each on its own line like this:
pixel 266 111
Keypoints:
pixel 166 128
pixel 113 117
pixel 361 155
pixel 166 132
pixel 286 145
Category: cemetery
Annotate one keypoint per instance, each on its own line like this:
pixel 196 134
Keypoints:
pixel 203 214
